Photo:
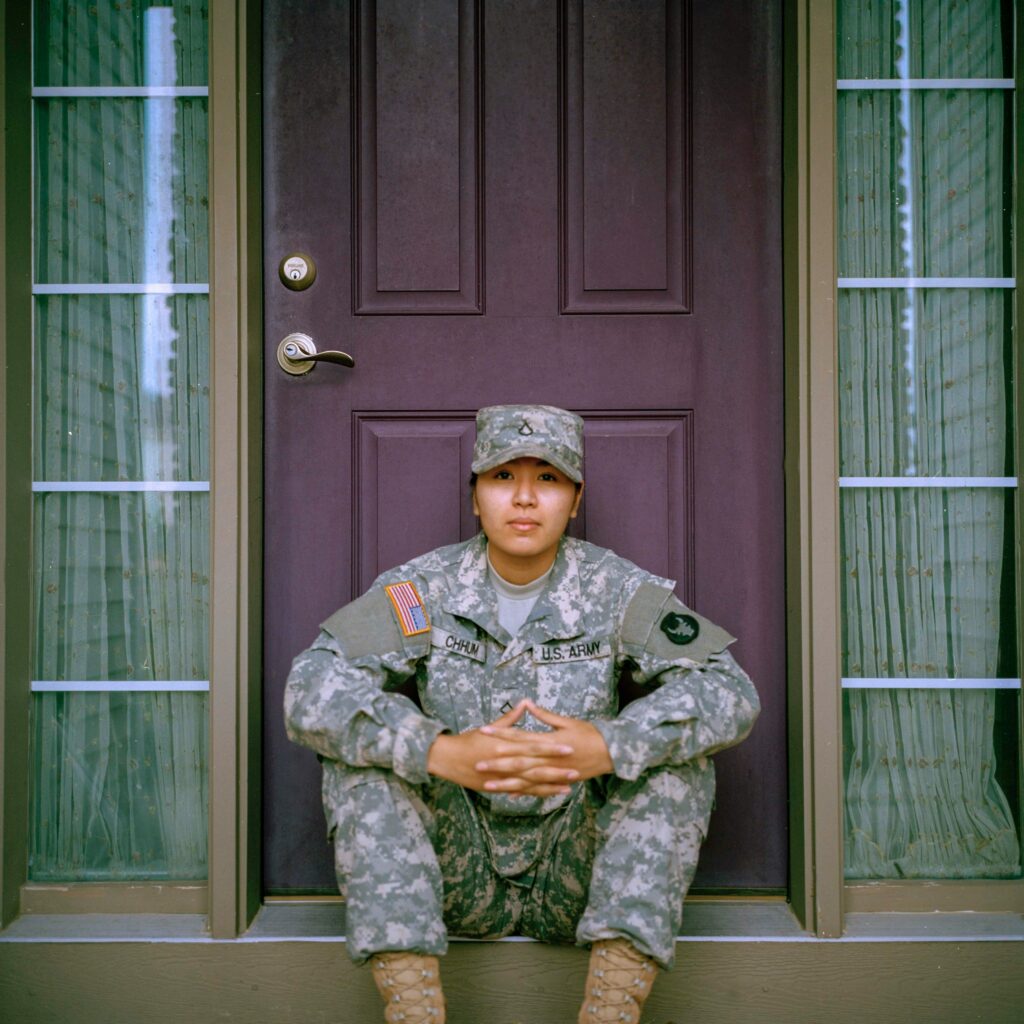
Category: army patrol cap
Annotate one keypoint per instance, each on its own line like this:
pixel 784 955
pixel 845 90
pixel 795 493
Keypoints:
pixel 506 432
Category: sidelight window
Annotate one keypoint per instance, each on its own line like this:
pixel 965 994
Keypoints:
pixel 928 491
pixel 121 536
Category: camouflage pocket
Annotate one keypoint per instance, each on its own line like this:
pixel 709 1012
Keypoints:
pixel 371 809
pixel 576 678
pixel 339 782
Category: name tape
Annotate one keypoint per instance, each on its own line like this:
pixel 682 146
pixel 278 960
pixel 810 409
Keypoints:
pixel 577 650
pixel 458 644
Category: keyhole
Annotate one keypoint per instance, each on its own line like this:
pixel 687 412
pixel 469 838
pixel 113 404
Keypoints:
pixel 297 271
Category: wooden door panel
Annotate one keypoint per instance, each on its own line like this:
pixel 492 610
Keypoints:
pixel 418 153
pixel 626 145
pixel 638 497
pixel 596 183
pixel 412 486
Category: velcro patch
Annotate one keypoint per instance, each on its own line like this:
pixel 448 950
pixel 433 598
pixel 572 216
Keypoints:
pixel 576 650
pixel 412 615
pixel 463 645
pixel 658 623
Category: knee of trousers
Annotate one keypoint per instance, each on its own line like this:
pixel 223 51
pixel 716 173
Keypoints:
pixel 375 816
pixel 676 795
pixel 650 831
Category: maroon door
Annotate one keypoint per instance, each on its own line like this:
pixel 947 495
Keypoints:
pixel 575 203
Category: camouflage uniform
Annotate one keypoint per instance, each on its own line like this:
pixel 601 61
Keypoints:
pixel 417 856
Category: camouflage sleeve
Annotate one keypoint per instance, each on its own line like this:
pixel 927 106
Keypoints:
pixel 702 701
pixel 336 700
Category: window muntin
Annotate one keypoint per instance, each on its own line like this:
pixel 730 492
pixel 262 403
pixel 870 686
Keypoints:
pixel 121 539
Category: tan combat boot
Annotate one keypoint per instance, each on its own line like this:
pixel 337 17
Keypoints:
pixel 618 981
pixel 410 985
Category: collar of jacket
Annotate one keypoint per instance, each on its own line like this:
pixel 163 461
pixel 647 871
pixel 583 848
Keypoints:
pixel 557 615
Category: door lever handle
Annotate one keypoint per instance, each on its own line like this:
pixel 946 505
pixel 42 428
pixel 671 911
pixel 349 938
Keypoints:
pixel 341 358
pixel 297 355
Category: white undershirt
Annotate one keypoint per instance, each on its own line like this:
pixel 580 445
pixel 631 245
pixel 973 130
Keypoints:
pixel 515 601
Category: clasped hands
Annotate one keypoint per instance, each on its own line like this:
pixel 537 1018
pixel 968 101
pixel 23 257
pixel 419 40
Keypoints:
pixel 499 758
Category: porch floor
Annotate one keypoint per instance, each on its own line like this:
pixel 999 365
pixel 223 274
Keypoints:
pixel 737 961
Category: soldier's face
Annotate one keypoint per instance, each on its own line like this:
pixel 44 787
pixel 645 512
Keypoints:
pixel 524 506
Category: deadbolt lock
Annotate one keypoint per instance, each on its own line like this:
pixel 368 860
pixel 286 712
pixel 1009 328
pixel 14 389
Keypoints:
pixel 297 271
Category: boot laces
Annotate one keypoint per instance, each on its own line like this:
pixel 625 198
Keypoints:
pixel 410 986
pixel 620 979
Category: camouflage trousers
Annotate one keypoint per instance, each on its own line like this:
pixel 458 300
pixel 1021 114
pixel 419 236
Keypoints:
pixel 416 863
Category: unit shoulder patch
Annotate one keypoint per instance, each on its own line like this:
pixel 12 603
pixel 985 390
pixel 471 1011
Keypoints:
pixel 680 627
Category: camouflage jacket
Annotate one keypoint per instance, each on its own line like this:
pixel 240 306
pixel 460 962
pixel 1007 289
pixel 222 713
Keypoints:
pixel 598 617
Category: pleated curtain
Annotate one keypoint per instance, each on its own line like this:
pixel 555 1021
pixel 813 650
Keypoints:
pixel 121 393
pixel 924 390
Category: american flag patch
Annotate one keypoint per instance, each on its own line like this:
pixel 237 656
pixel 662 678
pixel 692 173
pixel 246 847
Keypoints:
pixel 412 616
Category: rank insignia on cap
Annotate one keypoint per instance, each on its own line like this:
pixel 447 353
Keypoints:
pixel 412 616
pixel 680 629
pixel 526 429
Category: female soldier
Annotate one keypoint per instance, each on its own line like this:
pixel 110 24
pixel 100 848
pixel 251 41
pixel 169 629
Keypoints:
pixel 517 797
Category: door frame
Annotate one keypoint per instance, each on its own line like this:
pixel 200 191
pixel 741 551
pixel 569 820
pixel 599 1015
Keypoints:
pixel 236 484
pixel 234 888
pixel 811 526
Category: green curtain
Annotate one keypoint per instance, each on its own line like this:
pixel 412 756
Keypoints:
pixel 102 42
pixel 945 38
pixel 121 393
pixel 924 391
pixel 123 789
